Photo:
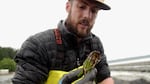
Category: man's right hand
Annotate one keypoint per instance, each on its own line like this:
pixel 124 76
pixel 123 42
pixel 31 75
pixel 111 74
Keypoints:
pixel 73 76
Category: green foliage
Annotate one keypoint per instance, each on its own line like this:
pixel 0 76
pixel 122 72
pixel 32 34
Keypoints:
pixel 7 52
pixel 8 63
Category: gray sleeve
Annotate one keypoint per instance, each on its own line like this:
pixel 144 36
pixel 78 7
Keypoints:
pixel 103 70
pixel 102 66
pixel 31 63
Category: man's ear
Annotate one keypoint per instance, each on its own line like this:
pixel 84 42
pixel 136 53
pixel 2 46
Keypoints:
pixel 68 6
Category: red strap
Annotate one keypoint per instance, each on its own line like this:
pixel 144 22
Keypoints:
pixel 58 36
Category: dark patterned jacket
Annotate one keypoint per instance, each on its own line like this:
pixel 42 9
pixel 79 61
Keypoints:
pixel 40 53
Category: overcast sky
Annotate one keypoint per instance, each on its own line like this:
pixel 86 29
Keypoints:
pixel 123 30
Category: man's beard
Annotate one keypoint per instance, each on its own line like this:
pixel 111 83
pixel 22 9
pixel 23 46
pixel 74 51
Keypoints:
pixel 73 29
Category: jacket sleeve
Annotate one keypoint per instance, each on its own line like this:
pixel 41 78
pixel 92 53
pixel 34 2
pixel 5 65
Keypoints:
pixel 31 63
pixel 103 70
pixel 102 66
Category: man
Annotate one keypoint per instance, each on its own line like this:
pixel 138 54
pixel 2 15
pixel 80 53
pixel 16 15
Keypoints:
pixel 64 48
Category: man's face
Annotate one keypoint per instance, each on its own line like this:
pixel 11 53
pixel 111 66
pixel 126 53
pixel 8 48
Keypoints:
pixel 81 17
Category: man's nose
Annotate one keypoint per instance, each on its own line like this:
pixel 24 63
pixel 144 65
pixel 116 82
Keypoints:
pixel 87 14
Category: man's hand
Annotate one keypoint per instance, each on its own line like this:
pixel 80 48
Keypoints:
pixel 88 71
pixel 73 78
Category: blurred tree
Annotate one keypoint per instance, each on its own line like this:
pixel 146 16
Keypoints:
pixel 8 63
pixel 7 52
